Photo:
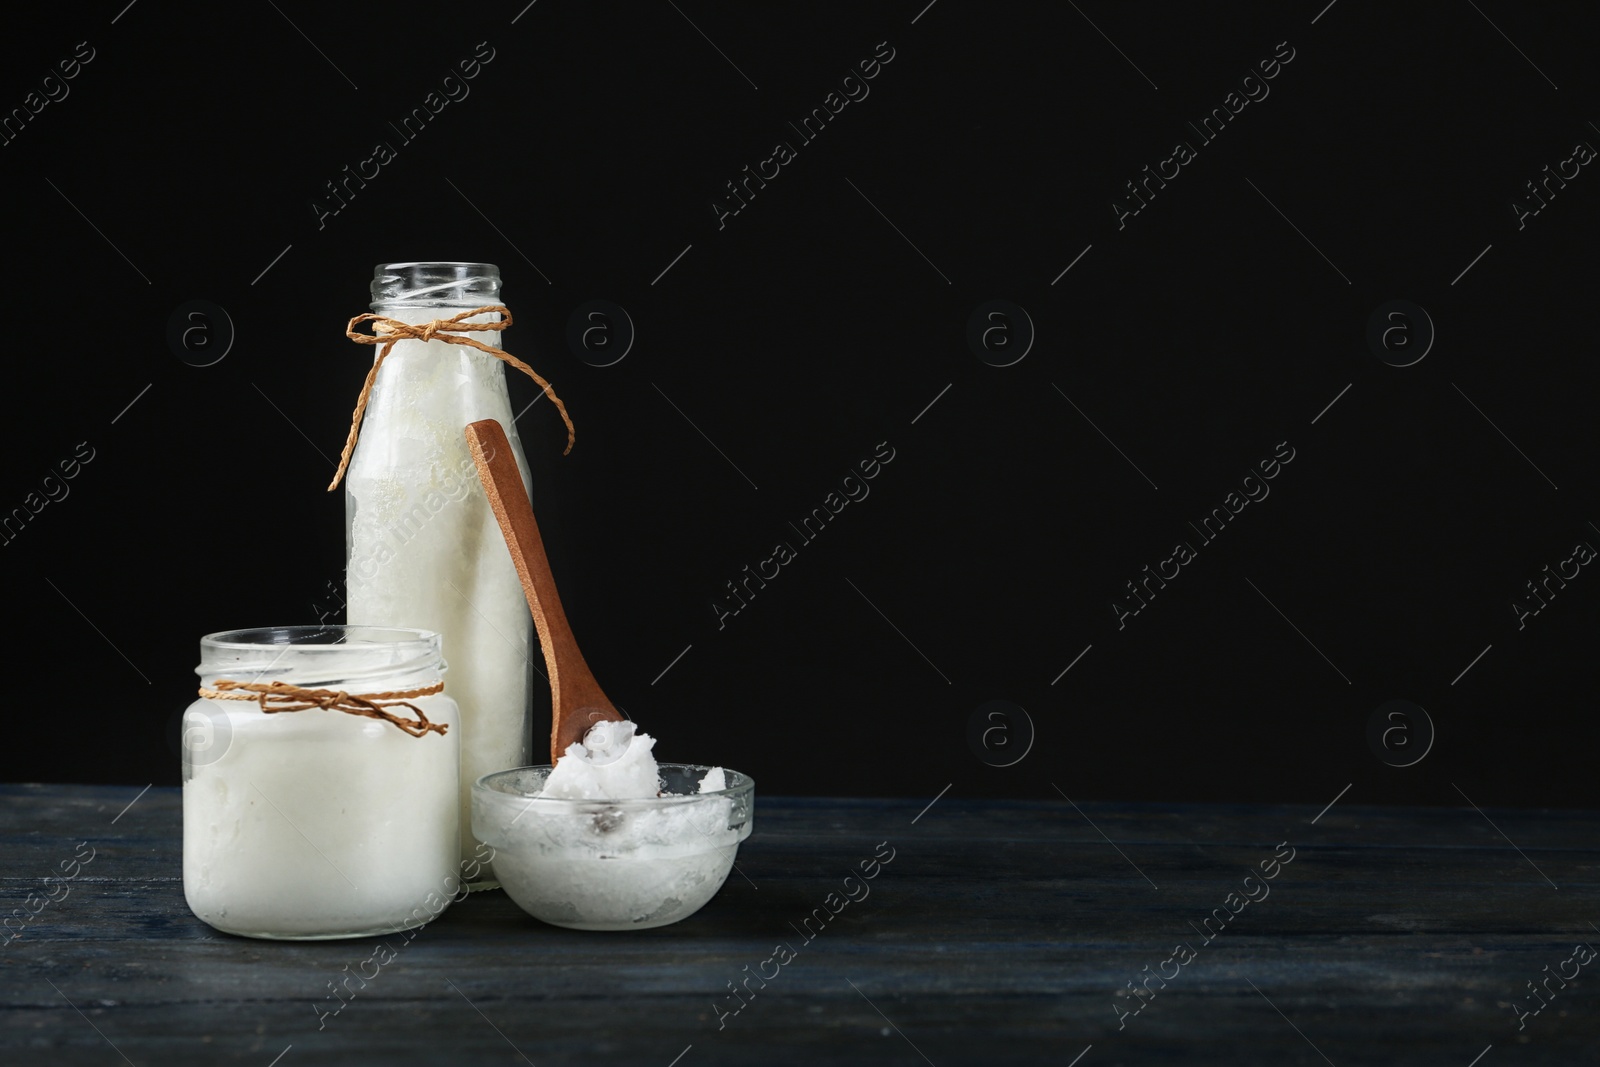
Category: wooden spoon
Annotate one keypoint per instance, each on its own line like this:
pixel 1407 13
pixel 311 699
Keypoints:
pixel 577 702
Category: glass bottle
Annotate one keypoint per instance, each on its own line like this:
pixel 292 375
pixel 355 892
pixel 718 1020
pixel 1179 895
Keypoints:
pixel 424 548
pixel 319 823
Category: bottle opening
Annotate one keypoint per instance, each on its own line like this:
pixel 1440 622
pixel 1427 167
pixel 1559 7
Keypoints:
pixel 435 285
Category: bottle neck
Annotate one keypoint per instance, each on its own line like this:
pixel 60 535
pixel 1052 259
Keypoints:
pixel 420 314
pixel 434 286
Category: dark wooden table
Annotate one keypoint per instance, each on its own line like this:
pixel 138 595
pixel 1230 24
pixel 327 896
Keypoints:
pixel 1000 933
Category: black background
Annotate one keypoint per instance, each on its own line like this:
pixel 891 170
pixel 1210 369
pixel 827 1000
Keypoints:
pixel 806 331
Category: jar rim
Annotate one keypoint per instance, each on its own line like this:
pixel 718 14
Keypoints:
pixel 327 638
pixel 323 654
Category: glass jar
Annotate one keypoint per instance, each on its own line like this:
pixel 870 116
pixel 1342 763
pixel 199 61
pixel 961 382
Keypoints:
pixel 319 823
pixel 424 547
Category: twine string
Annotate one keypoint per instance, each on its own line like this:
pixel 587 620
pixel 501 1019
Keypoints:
pixel 388 331
pixel 274 697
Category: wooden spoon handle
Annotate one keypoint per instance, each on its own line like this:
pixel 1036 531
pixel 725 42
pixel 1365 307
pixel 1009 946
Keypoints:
pixel 577 702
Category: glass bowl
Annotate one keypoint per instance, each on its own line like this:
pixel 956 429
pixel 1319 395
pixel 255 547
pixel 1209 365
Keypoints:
pixel 612 864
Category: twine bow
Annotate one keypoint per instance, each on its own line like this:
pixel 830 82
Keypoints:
pixel 274 697
pixel 388 331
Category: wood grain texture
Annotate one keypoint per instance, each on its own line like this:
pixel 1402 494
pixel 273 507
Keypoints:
pixel 577 701
pixel 1000 933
